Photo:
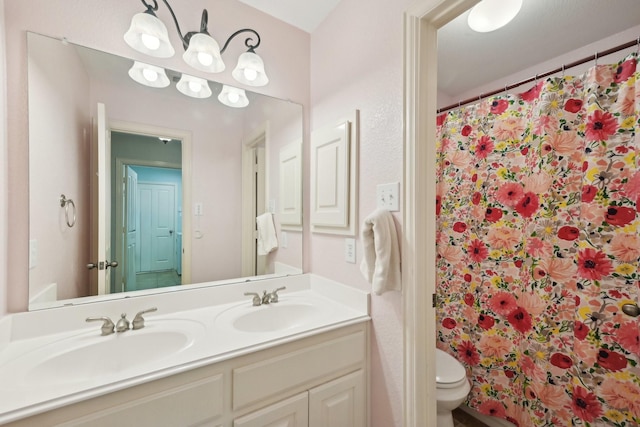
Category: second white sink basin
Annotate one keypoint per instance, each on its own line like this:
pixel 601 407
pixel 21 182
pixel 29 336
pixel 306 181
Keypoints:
pixel 269 317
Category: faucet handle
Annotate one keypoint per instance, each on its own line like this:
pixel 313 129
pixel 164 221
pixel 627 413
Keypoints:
pixel 274 294
pixel 138 321
pixel 123 323
pixel 256 298
pixel 107 324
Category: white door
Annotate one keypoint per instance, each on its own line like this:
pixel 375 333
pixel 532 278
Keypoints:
pixel 131 224
pixel 104 202
pixel 339 403
pixel 157 226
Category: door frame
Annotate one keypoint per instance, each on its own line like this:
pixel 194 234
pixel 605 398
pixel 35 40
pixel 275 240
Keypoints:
pixel 421 23
pixel 186 168
pixel 257 137
pixel 121 163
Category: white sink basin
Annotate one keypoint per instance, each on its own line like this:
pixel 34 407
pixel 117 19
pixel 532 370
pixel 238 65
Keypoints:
pixel 89 355
pixel 269 317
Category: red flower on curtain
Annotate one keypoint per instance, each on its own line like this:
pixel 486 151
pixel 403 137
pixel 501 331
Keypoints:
pixel 520 319
pixel 561 361
pixel 593 264
pixel 510 194
pixel 459 227
pixel 573 105
pixel 611 360
pixel 620 215
pixel 486 322
pixel 601 125
pixel 478 251
pixel 528 205
pixel 493 214
pixel 585 405
pixel 484 147
pixel 449 323
pixel 466 130
pixel 532 93
pixel 499 106
pixel 503 303
pixel 568 233
pixel 493 408
pixel 468 353
pixel 628 336
pixel 589 193
pixel 580 330
pixel 625 70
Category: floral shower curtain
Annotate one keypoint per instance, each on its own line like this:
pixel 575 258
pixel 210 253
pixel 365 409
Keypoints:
pixel 538 247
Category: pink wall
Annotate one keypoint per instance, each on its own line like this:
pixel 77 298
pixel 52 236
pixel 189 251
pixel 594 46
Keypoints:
pixel 357 63
pixel 101 25
pixel 59 136
pixel 4 199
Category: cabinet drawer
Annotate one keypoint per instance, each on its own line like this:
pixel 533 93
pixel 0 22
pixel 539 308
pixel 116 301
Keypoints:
pixel 255 382
pixel 178 406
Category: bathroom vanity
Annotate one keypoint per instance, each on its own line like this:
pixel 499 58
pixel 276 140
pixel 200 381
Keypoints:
pixel 302 361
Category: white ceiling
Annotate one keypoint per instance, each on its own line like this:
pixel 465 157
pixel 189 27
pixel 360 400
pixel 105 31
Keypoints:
pixel 543 29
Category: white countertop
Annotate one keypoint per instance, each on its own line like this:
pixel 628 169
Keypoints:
pixel 27 338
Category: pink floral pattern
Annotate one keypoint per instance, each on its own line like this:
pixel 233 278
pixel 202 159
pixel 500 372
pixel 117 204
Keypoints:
pixel 538 246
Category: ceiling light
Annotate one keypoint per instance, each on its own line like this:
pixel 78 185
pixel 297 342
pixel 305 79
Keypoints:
pixel 489 15
pixel 149 75
pixel 194 87
pixel 233 97
pixel 148 35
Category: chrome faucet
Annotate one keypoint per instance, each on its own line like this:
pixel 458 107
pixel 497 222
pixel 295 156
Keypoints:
pixel 123 323
pixel 138 321
pixel 256 298
pixel 273 296
pixel 107 324
pixel 266 298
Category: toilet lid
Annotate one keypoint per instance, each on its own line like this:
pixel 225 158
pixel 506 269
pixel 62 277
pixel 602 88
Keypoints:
pixel 448 369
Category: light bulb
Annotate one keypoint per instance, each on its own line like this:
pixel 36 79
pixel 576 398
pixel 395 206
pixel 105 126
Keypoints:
pixel 195 86
pixel 205 58
pixel 250 74
pixel 233 97
pixel 149 75
pixel 150 42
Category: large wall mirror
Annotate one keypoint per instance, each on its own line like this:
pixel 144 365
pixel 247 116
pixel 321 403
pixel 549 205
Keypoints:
pixel 175 190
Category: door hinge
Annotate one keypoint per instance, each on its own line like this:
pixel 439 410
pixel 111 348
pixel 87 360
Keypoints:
pixel 434 300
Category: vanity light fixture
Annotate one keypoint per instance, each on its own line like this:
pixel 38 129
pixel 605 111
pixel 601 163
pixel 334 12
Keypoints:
pixel 233 97
pixel 148 34
pixel 489 15
pixel 194 87
pixel 149 75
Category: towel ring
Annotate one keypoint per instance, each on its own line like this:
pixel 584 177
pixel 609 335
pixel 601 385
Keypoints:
pixel 64 202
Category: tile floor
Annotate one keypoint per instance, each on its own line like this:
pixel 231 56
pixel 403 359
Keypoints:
pixel 462 419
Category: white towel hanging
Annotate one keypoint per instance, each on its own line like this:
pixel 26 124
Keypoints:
pixel 267 240
pixel 381 261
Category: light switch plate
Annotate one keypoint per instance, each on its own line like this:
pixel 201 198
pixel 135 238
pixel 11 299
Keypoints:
pixel 350 250
pixel 388 196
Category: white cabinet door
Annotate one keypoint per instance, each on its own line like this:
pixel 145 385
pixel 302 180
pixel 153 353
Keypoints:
pixel 339 403
pixel 292 412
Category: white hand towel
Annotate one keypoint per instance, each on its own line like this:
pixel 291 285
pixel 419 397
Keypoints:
pixel 267 240
pixel 381 261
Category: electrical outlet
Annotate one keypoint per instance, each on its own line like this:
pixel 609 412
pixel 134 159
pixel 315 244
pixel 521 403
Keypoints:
pixel 198 209
pixel 388 196
pixel 350 250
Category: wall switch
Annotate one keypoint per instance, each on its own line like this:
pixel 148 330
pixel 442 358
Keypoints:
pixel 33 253
pixel 284 239
pixel 388 196
pixel 198 209
pixel 350 250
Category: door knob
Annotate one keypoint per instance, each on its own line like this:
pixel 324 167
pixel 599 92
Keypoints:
pixel 112 264
pixel 631 310
pixel 91 266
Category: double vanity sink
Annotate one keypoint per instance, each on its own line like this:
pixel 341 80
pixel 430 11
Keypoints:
pixel 40 371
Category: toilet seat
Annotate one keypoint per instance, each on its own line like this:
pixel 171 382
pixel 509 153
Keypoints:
pixel 449 372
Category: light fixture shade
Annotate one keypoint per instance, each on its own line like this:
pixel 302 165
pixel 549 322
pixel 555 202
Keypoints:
pixel 489 15
pixel 149 75
pixel 147 34
pixel 203 54
pixel 250 70
pixel 233 97
pixel 194 87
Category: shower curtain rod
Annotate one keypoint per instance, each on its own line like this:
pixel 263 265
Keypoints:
pixel 564 67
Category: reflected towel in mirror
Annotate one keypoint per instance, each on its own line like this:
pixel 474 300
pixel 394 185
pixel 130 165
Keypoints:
pixel 267 240
pixel 381 261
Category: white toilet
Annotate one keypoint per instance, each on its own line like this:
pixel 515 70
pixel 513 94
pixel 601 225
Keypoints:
pixel 452 386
